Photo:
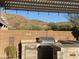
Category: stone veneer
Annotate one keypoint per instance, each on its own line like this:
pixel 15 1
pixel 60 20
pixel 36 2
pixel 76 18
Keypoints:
pixel 69 51
pixel 5 36
pixel 30 48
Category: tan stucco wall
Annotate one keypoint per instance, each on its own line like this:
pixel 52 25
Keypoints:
pixel 29 35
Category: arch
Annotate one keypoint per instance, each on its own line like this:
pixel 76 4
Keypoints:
pixel 1 24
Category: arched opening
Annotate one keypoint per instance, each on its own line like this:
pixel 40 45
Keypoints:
pixel 45 52
pixel 1 24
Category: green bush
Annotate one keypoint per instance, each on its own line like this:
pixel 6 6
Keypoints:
pixel 23 26
pixel 77 28
pixel 10 51
pixel 60 27
pixel 65 27
pixel 53 26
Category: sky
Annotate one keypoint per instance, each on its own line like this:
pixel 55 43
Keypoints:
pixel 42 16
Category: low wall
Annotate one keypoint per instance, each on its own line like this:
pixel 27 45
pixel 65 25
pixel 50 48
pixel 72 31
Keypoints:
pixel 17 35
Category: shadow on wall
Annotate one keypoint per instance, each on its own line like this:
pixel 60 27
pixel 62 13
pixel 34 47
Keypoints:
pixel 76 34
pixel 19 50
pixel 45 52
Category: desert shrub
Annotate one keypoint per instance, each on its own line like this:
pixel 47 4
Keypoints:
pixel 36 27
pixel 60 27
pixel 23 26
pixel 10 51
pixel 53 26
pixel 65 27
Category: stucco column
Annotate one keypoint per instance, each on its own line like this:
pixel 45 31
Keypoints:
pixel 29 50
pixel 23 51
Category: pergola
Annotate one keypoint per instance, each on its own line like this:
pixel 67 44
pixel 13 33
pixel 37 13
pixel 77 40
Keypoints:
pixel 60 6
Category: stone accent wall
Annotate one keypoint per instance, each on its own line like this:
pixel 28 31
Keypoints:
pixel 17 35
pixel 29 50
pixel 69 53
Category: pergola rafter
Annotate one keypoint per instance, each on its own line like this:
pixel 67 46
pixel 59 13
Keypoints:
pixel 63 6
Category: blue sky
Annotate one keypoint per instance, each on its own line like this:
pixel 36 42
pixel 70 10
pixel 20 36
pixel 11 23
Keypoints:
pixel 43 16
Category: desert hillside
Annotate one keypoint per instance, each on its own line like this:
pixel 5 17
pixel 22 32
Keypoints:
pixel 20 22
pixel 13 19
